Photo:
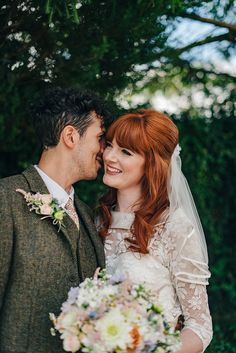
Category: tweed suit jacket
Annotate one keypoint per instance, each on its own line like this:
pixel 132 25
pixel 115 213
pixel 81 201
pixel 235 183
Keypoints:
pixel 38 265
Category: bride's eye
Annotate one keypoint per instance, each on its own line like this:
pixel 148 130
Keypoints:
pixel 126 152
pixel 108 144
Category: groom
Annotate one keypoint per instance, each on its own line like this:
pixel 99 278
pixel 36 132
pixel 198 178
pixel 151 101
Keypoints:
pixel 41 259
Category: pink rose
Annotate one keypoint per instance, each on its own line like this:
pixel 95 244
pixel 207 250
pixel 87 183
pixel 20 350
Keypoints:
pixel 45 210
pixel 71 343
pixel 46 199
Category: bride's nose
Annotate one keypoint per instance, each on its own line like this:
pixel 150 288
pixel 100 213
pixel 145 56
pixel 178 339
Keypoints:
pixel 109 155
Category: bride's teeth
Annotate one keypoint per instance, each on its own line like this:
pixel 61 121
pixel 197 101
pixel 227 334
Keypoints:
pixel 113 170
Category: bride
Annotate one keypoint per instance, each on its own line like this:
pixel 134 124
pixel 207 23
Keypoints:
pixel 150 225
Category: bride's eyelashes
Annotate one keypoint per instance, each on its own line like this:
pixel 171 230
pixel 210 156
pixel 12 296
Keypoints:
pixel 126 152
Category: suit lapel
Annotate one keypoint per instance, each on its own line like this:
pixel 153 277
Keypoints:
pixel 70 230
pixel 91 231
pixel 36 184
pixel 35 181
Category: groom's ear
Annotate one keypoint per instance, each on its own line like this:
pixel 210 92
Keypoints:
pixel 69 136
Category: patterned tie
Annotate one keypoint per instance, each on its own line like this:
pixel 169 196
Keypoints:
pixel 70 209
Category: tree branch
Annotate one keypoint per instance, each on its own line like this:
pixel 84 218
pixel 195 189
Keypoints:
pixel 193 16
pixel 188 66
pixel 210 39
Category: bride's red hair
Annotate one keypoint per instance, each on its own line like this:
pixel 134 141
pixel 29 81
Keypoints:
pixel 153 135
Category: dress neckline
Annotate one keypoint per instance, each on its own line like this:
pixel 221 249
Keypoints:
pixel 122 220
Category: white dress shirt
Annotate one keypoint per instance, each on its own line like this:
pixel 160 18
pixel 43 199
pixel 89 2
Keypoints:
pixel 55 189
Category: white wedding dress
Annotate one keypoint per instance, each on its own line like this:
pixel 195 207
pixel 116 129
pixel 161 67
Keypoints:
pixel 174 269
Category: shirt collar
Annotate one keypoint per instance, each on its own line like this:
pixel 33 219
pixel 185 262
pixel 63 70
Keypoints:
pixel 55 189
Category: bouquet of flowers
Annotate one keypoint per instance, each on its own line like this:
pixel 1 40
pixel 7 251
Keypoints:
pixel 112 315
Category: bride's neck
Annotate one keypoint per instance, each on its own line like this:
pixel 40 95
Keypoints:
pixel 127 201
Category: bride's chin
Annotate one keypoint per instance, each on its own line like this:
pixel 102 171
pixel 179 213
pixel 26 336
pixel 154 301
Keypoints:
pixel 105 181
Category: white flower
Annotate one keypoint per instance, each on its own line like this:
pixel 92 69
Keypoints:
pixel 92 295
pixel 114 330
pixel 131 315
pixel 69 319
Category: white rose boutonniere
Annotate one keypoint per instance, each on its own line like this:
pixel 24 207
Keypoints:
pixel 45 205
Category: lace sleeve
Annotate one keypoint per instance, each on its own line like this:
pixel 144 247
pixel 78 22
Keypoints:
pixel 190 276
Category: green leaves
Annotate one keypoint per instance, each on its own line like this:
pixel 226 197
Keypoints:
pixel 70 9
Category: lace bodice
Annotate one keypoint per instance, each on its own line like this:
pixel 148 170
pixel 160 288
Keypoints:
pixel 173 268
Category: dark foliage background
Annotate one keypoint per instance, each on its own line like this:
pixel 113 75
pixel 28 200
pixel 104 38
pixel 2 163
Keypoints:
pixel 119 48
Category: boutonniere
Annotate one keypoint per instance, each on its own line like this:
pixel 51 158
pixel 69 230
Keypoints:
pixel 45 205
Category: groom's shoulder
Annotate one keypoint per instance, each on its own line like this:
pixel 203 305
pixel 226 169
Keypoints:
pixel 13 182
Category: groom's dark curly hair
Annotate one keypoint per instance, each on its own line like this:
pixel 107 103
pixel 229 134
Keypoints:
pixel 61 107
